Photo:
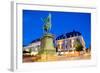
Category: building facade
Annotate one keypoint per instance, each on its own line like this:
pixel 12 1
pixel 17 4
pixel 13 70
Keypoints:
pixel 65 42
pixel 34 47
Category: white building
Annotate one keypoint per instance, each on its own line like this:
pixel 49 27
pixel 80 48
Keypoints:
pixel 67 41
pixel 63 42
pixel 34 47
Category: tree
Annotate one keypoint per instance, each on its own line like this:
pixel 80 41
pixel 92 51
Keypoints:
pixel 30 50
pixel 78 46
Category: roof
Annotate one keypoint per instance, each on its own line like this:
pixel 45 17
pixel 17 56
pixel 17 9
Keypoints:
pixel 36 40
pixel 68 35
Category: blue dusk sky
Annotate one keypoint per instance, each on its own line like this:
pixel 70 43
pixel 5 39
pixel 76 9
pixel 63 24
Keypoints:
pixel 62 22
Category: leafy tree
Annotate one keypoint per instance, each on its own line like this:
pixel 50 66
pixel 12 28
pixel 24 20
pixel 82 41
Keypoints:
pixel 30 50
pixel 78 45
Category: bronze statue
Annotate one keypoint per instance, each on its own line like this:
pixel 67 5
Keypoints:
pixel 47 24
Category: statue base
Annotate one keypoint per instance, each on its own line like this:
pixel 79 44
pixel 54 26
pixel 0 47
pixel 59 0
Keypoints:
pixel 47 47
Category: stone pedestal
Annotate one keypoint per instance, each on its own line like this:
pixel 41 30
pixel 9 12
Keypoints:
pixel 47 47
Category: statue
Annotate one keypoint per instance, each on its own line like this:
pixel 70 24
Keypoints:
pixel 47 49
pixel 47 24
